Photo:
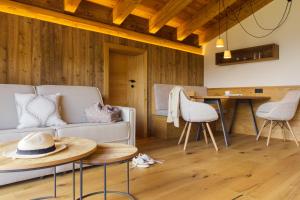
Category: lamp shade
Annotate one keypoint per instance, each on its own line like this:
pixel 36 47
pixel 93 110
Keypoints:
pixel 220 43
pixel 227 54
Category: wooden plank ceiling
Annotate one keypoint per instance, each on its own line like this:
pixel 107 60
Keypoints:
pixel 180 24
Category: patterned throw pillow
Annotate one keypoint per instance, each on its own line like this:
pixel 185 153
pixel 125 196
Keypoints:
pixel 38 110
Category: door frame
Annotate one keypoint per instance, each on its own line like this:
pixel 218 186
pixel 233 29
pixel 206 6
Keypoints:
pixel 107 47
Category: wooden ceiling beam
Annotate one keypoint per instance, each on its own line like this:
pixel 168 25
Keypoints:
pixel 170 10
pixel 209 33
pixel 71 5
pixel 106 3
pixel 206 14
pixel 123 9
pixel 12 7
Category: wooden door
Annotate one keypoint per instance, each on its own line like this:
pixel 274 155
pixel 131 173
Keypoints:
pixel 127 80
pixel 118 79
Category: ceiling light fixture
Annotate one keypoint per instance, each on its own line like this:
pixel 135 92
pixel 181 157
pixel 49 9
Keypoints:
pixel 227 52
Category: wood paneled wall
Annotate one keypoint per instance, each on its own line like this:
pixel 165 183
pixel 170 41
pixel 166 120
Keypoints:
pixel 243 123
pixel 36 52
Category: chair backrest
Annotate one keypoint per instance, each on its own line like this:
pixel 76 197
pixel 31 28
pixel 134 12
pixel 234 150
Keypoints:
pixel 184 106
pixel 161 95
pixel 196 111
pixel 292 96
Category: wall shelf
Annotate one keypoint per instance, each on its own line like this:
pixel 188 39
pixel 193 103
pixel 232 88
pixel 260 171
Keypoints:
pixel 249 55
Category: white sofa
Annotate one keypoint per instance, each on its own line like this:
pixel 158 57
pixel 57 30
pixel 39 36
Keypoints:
pixel 74 100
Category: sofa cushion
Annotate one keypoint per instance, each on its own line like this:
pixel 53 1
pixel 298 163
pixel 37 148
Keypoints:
pixel 162 112
pixel 8 111
pixel 99 132
pixel 74 100
pixel 17 134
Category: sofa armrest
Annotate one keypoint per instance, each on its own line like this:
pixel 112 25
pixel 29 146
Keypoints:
pixel 129 115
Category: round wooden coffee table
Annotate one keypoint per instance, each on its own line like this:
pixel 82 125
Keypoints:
pixel 78 148
pixel 107 154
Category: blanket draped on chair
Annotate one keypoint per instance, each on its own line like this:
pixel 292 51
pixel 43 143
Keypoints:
pixel 173 107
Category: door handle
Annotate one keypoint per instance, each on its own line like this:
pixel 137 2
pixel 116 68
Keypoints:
pixel 132 81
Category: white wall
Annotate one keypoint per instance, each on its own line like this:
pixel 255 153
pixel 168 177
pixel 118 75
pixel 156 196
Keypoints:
pixel 285 71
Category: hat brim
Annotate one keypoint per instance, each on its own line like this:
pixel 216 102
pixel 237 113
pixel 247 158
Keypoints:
pixel 14 154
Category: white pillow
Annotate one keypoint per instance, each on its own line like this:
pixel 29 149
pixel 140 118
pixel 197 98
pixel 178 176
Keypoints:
pixel 38 110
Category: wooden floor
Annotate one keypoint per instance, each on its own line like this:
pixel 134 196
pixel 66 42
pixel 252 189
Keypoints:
pixel 246 170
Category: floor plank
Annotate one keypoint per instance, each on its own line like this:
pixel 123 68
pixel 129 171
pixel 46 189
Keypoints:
pixel 246 170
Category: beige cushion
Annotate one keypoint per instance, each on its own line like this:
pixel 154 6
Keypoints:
pixel 161 95
pixel 99 132
pixel 74 100
pixel 8 111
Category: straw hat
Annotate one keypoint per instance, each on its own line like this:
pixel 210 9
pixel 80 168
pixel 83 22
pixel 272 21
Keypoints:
pixel 35 145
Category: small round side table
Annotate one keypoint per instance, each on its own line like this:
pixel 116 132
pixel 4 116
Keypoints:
pixel 78 148
pixel 107 154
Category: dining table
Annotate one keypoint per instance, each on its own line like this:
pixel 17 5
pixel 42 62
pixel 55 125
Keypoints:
pixel 238 99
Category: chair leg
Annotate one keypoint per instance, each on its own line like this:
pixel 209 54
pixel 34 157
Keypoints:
pixel 270 132
pixel 187 136
pixel 212 137
pixel 204 132
pixel 291 130
pixel 261 129
pixel 283 132
pixel 183 131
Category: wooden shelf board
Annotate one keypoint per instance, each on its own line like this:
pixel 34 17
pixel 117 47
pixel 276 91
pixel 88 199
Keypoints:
pixel 248 61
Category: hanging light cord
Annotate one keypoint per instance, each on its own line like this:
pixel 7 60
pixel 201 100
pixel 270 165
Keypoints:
pixel 227 43
pixel 281 22
pixel 219 19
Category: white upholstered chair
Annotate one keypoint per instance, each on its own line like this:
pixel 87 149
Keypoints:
pixel 279 114
pixel 161 96
pixel 192 111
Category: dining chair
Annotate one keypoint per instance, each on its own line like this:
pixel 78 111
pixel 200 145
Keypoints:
pixel 279 114
pixel 192 111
